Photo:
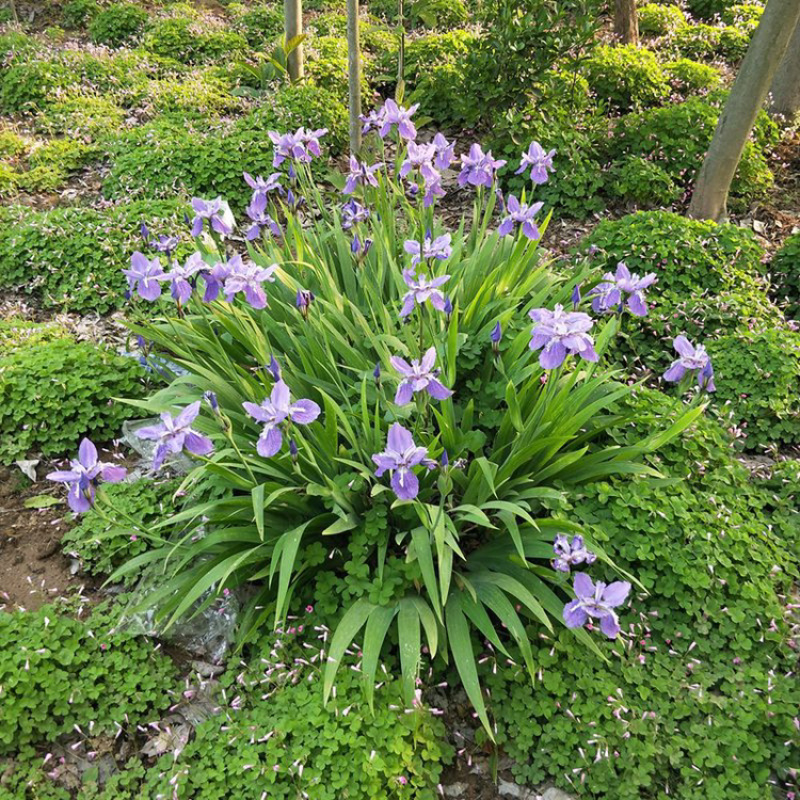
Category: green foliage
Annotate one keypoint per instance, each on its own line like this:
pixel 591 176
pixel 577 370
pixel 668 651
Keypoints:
pixel 259 24
pixel 77 14
pixel 360 754
pixel 785 273
pixel 643 182
pixel 677 138
pixel 703 698
pixel 326 65
pixel 99 541
pixel 743 15
pixel 119 24
pixel 709 41
pixel 758 373
pixel 72 257
pixel 708 9
pixel 11 145
pixel 626 76
pixel 656 19
pixel 440 14
pixel 156 159
pixel 692 76
pixel 182 38
pixel 54 394
pixel 16 334
pixel 82 116
pixel 204 94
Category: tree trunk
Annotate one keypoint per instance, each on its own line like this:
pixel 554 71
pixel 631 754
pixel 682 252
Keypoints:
pixel 786 83
pixel 744 102
pixel 293 26
pixel 626 23
pixel 354 75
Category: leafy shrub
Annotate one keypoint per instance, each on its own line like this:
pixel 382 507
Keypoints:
pixel 327 65
pixel 119 24
pixel 689 256
pixel 709 41
pixel 626 76
pixel 441 14
pixel 677 138
pixel 259 24
pixel 155 159
pixel 707 9
pixel 743 15
pixel 183 39
pixel 82 116
pixel 11 145
pixel 716 559
pixel 16 333
pixel 656 19
pixel 201 93
pixel 692 76
pixel 78 13
pixel 785 272
pixel 54 394
pixel 56 672
pixel 361 754
pixel 758 373
pixel 72 257
pixel 100 543
pixel 643 182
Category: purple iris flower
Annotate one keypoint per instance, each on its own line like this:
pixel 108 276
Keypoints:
pixel 576 296
pixel 353 213
pixel 496 335
pixel 445 152
pixel 360 249
pixel 257 211
pixel 274 412
pixel 419 376
pixel 302 145
pixel 538 161
pixel 691 359
pixel 84 474
pixel 608 296
pixel 597 601
pixel 392 114
pixel 165 244
pixel 423 290
pixel 360 175
pixel 263 186
pixel 144 276
pixel 247 277
pixel 478 168
pixel 431 248
pixel 560 333
pixel 218 214
pixel 175 434
pixel 400 457
pixel 569 553
pixel 521 214
pixel 372 121
pixel 420 157
pixel 180 277
pixel 303 301
pixel 311 139
pixel 215 277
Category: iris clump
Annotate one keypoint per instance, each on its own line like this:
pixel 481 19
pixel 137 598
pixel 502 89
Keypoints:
pixel 391 376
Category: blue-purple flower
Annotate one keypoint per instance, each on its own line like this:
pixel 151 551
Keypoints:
pixel 392 115
pixel 608 295
pixel 438 248
pixel 303 301
pixel 596 601
pixel 84 474
pixel 144 276
pixel 422 290
pixel 419 376
pixel 360 175
pixel 478 168
pixel 569 553
pixel 538 161
pixel 263 186
pixel 248 277
pixel 353 213
pixel 692 358
pixel 445 152
pixel 301 146
pixel 275 412
pixel 521 214
pixel 257 211
pixel 217 213
pixel 175 434
pixel 419 157
pixel 182 278
pixel 560 333
pixel 400 457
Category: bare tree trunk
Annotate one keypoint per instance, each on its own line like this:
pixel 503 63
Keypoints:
pixel 744 102
pixel 354 75
pixel 293 26
pixel 626 23
pixel 401 58
pixel 786 83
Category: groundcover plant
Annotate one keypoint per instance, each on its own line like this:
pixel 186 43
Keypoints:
pixel 379 407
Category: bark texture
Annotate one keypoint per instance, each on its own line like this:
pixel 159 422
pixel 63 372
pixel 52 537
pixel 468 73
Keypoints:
pixel 626 23
pixel 354 75
pixel 786 83
pixel 747 96
pixel 293 26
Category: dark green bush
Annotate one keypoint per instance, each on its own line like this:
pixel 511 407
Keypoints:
pixel 78 13
pixel 54 394
pixel 656 19
pixel 259 24
pixel 759 374
pixel 692 76
pixel 72 257
pixel 785 272
pixel 642 182
pixel 326 65
pixel 119 24
pixel 743 15
pixel 708 9
pixel 677 138
pixel 626 76
pixel 182 38
pixel 57 672
pixel 702 696
pixel 440 14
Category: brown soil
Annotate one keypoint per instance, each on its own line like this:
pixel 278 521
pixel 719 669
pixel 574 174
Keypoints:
pixel 33 570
